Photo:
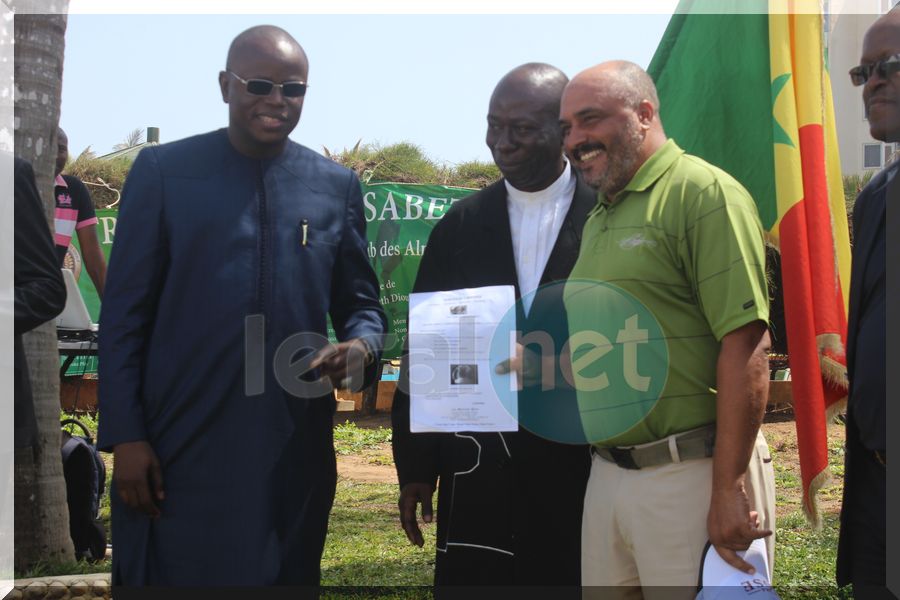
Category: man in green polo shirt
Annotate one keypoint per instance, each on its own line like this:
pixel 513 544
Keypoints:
pixel 681 240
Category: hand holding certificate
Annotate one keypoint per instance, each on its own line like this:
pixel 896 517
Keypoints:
pixel 451 377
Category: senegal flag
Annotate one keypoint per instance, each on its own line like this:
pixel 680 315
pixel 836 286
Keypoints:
pixel 751 94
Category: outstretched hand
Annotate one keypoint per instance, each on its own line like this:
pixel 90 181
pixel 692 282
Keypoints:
pixel 526 364
pixel 343 363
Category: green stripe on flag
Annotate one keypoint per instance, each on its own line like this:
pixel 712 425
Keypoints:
pixel 712 74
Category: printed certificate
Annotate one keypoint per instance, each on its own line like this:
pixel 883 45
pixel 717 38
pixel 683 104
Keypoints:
pixel 451 370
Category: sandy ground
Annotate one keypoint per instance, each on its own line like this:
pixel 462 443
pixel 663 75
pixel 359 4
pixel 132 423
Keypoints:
pixel 373 466
pixel 781 435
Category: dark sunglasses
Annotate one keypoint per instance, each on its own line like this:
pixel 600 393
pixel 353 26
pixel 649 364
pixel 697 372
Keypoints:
pixel 885 68
pixel 264 87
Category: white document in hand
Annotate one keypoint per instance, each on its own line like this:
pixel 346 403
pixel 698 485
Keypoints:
pixel 451 370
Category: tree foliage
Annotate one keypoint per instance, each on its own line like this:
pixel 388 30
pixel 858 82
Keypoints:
pixel 104 178
pixel 406 163
pixel 135 137
pixel 853 185
pixel 401 163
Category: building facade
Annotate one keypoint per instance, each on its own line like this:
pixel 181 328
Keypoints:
pixel 845 29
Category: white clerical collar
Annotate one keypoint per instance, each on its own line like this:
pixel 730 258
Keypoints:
pixel 551 192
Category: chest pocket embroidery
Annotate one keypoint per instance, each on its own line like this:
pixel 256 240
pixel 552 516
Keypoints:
pixel 636 241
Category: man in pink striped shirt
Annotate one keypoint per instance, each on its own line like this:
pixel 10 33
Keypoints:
pixel 75 212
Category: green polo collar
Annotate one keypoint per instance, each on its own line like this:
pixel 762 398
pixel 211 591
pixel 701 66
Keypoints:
pixel 651 170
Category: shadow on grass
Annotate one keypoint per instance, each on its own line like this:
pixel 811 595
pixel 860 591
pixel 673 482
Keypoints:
pixel 384 592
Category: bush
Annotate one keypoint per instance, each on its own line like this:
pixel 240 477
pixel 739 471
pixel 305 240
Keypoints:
pixel 853 185
pixel 475 174
pixel 400 163
pixel 407 163
pixel 100 175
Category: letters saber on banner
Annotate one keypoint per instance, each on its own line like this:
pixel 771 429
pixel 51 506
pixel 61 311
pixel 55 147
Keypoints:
pixel 399 220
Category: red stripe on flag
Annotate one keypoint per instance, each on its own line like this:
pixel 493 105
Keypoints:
pixel 828 301
pixel 814 314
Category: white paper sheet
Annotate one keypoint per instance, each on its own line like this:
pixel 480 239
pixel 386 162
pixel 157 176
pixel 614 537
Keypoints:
pixel 451 375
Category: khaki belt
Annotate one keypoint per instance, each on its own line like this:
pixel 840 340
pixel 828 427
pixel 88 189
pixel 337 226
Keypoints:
pixel 679 447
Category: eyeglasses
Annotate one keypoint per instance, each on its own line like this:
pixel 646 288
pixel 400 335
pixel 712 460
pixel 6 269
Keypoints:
pixel 885 68
pixel 264 87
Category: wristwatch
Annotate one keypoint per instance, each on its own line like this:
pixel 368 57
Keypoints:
pixel 370 353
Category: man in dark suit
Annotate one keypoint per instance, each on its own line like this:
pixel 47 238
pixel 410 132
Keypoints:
pixel 232 248
pixel 861 549
pixel 39 291
pixel 509 509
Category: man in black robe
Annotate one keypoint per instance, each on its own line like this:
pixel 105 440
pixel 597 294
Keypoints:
pixel 232 248
pixel 509 506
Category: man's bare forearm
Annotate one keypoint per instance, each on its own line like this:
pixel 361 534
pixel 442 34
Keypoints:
pixel 94 261
pixel 742 374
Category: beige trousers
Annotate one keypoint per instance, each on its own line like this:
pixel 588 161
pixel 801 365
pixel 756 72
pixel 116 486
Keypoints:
pixel 643 531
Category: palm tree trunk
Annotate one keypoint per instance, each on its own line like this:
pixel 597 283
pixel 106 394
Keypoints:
pixel 41 515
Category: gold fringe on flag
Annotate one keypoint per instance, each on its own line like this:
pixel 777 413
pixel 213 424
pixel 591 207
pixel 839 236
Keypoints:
pixel 813 516
pixel 831 355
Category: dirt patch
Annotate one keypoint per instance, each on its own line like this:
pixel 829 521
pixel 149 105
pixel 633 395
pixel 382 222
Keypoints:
pixel 362 469
pixel 373 465
pixel 379 419
pixel 782 438
pixel 376 465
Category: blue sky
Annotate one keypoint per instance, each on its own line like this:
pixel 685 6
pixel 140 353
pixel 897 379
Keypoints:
pixel 383 78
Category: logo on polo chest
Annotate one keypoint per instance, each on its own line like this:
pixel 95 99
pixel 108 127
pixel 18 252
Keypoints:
pixel 636 241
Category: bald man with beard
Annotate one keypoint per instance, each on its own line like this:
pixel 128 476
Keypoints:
pixel 509 509
pixel 684 239
pixel 227 245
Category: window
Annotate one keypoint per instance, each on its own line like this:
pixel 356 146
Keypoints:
pixel 872 156
pixel 890 151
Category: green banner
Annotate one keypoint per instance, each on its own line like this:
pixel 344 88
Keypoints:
pixel 399 220
pixel 106 231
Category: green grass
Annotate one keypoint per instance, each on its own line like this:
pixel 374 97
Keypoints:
pixel 350 439
pixel 367 554
pixel 46 569
pixel 805 558
pixel 382 593
pixel 365 545
pixel 87 419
